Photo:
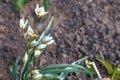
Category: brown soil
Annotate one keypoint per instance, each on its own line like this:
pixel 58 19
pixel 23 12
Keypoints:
pixel 81 28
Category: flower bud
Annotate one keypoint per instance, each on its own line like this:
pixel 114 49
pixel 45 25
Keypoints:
pixel 37 76
pixel 33 43
pixel 41 46
pixel 88 64
pixel 34 72
pixel 25 58
pixel 37 53
pixel 23 23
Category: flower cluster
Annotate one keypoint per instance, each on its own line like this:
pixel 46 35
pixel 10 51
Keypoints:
pixel 30 34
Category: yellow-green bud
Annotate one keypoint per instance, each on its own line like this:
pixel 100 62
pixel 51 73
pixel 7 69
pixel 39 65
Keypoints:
pixel 88 64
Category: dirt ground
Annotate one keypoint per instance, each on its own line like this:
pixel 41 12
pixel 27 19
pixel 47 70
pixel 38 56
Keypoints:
pixel 81 28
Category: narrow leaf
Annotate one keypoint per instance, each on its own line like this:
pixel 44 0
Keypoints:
pixel 44 3
pixel 108 67
pixel 46 30
pixel 25 66
pixel 53 71
pixel 14 70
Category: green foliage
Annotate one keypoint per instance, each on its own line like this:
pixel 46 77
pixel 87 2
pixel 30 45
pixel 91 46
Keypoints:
pixel 63 70
pixel 106 65
pixel 116 74
pixel 13 68
pixel 17 4
pixel 34 47
pixel 44 4
pixel 45 32
pixel 113 72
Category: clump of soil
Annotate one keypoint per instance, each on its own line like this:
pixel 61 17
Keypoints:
pixel 81 28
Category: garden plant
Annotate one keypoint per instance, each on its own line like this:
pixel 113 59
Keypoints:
pixel 34 46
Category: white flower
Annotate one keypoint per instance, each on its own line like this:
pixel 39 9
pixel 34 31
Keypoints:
pixel 34 72
pixel 25 58
pixel 40 11
pixel 30 31
pixel 23 23
pixel 37 76
pixel 50 42
pixel 33 43
pixel 46 39
pixel 37 53
pixel 41 46
pixel 88 64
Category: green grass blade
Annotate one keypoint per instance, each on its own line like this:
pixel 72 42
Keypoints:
pixel 116 73
pixel 108 67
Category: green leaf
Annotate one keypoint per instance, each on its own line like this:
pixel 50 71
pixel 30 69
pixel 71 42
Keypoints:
pixel 14 70
pixel 17 4
pixel 44 4
pixel 64 68
pixel 25 66
pixel 46 30
pixel 48 78
pixel 10 66
pixel 63 75
pixel 54 66
pixel 80 60
pixel 116 73
pixel 56 71
pixel 108 67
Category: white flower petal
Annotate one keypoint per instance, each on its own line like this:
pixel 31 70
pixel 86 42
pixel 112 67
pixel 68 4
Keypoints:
pixel 34 72
pixel 41 46
pixel 40 11
pixel 46 39
pixel 37 76
pixel 37 53
pixel 23 23
pixel 50 42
